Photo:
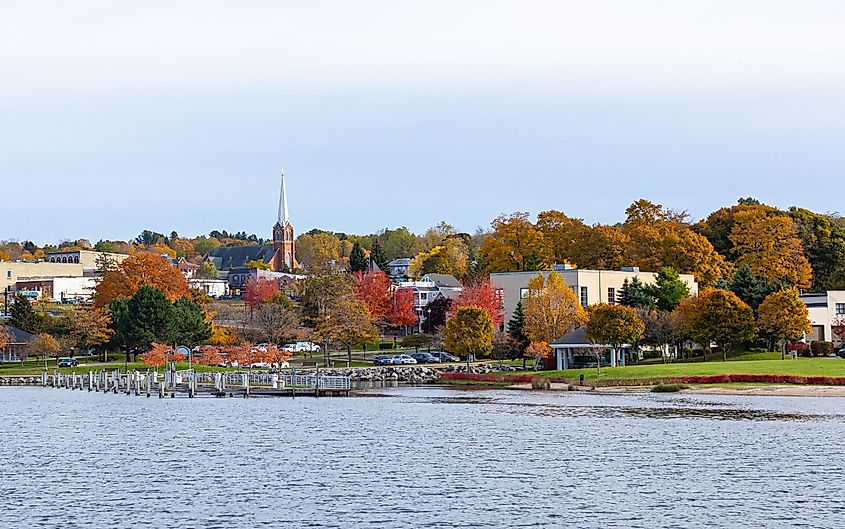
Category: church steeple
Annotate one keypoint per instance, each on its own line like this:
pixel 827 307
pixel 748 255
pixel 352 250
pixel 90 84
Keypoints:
pixel 283 203
pixel 283 236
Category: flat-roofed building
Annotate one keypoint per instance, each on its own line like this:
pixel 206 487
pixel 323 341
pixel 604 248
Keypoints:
pixel 12 271
pixel 63 289
pixel 824 308
pixel 591 286
pixel 89 259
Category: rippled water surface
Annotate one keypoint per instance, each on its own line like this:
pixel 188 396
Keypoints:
pixel 421 457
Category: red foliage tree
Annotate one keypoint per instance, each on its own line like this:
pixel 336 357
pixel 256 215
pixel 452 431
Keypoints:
pixel 237 355
pixel 258 291
pixel 209 356
pixel 373 290
pixel 838 328
pixel 483 295
pixel 403 312
pixel 160 354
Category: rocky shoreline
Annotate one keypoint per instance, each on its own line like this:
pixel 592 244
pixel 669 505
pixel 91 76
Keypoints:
pixel 411 374
pixel 20 380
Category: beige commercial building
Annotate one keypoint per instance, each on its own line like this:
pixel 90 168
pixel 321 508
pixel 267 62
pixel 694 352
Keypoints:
pixel 63 289
pixel 12 271
pixel 89 259
pixel 591 286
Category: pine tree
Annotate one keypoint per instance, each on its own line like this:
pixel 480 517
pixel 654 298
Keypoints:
pixel 748 287
pixel 23 316
pixel 516 331
pixel 624 295
pixel 189 325
pixel 357 259
pixel 534 262
pixel 634 294
pixel 377 256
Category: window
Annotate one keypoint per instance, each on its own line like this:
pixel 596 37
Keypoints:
pixel 8 274
pixel 840 308
pixel 611 295
pixel 523 293
pixel 583 296
pixel 423 296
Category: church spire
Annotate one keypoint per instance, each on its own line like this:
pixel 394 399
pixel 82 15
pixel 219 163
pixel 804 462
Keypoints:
pixel 283 203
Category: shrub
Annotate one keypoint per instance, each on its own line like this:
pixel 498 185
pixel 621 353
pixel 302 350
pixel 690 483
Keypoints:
pixel 540 383
pixel 799 347
pixel 821 348
pixel 385 345
pixel 417 340
pixel 668 388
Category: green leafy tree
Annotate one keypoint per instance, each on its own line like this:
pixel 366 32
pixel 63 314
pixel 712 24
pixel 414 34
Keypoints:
pixel 668 289
pixel 189 326
pixel 208 270
pixel 469 332
pixel 357 259
pixel 23 316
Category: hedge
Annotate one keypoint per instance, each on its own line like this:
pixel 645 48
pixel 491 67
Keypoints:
pixel 698 379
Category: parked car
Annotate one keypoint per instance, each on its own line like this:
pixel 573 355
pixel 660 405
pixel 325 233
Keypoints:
pixel 261 365
pixel 68 362
pixel 382 360
pixel 302 347
pixel 841 352
pixel 446 357
pixel 402 359
pixel 425 358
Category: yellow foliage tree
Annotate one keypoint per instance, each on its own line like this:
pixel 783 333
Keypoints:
pixel 552 309
pixel 770 246
pixel 511 244
pixel 719 316
pixel 469 332
pixel 602 248
pixel 448 258
pixel 316 251
pixel 783 316
pixel 561 235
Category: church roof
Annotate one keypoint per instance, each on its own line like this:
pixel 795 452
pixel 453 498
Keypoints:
pixel 228 257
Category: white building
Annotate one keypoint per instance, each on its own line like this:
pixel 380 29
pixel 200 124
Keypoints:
pixel 431 287
pixel 60 289
pixel 824 308
pixel 591 286
pixel 212 287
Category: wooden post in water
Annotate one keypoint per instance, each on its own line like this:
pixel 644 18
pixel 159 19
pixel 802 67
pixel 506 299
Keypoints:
pixel 149 380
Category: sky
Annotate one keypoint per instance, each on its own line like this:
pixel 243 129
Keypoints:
pixel 121 116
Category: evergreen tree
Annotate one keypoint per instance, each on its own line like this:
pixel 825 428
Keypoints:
pixel 146 317
pixel 748 287
pixel 668 289
pixel 534 262
pixel 623 297
pixel 357 259
pixel 634 294
pixel 516 329
pixel 189 326
pixel 23 316
pixel 377 256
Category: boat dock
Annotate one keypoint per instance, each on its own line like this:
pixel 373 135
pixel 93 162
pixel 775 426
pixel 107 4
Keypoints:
pixel 191 384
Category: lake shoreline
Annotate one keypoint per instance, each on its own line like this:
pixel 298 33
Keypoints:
pixel 767 390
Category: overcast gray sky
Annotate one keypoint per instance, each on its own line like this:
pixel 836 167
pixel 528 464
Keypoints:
pixel 121 116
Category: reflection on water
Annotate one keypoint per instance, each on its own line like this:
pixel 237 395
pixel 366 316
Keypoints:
pixel 421 457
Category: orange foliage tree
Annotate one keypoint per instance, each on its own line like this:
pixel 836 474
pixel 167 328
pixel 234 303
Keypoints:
pixel 276 355
pixel 373 290
pixel 143 268
pixel 403 312
pixel 210 356
pixel 482 295
pixel 258 291
pixel 160 354
pixel 237 355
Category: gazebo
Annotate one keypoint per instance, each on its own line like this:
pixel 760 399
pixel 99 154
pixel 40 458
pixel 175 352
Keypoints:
pixel 566 347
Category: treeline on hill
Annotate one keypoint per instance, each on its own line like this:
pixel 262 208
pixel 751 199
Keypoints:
pixel 794 247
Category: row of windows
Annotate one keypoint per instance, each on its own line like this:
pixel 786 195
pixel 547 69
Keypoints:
pixel 65 259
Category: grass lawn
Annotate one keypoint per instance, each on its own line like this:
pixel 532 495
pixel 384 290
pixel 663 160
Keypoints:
pixel 808 367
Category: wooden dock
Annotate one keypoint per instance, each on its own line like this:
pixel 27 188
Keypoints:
pixel 192 384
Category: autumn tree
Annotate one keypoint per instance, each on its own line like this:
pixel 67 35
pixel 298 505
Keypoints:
pixel 207 270
pixel 403 310
pixel 160 354
pixel 448 258
pixel 276 355
pixel 136 271
pixel 783 316
pixel 373 290
pixel 5 337
pixel 719 316
pixel 349 322
pixel 319 291
pixel 770 246
pixel 45 345
pixel 823 239
pixel 552 309
pixel 317 250
pixel 717 227
pixel 88 327
pixel 209 356
pixel 483 295
pixel 513 240
pixel 837 327
pixel 601 248
pixel 437 312
pixel 237 355
pixel 469 332
pixel 259 290
pixel 561 235
pixel 613 325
